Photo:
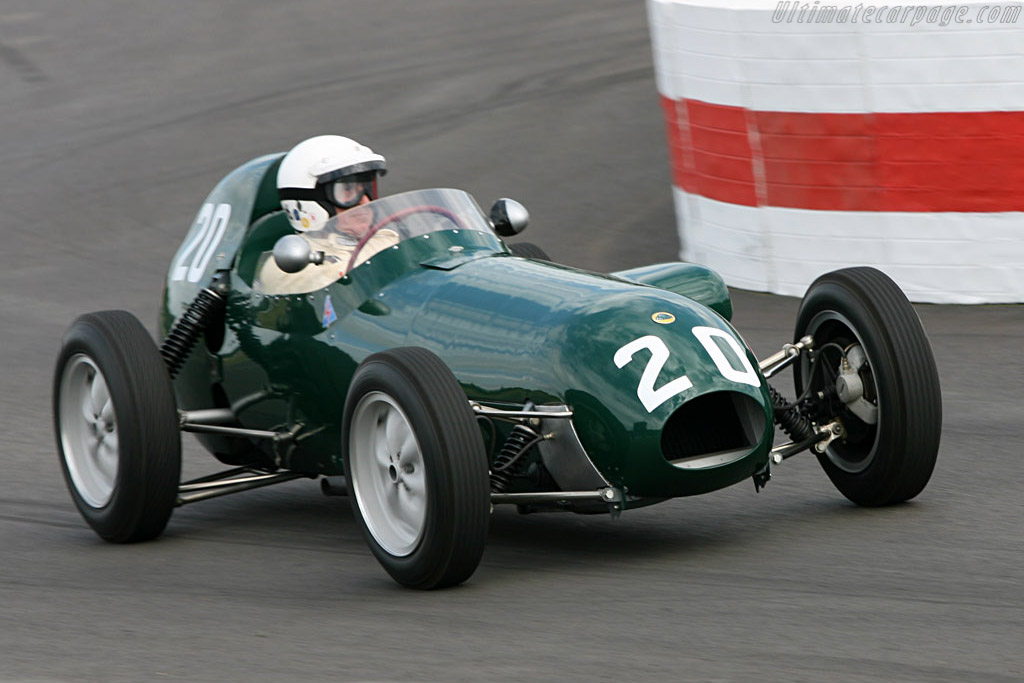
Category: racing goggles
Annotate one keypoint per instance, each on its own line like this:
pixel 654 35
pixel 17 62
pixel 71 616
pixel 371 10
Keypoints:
pixel 348 191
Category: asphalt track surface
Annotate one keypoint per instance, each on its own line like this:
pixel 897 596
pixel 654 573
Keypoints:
pixel 116 118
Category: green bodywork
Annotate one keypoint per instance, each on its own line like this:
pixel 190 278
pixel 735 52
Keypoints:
pixel 511 329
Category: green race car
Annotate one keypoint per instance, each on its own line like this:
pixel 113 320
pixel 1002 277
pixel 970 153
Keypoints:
pixel 431 371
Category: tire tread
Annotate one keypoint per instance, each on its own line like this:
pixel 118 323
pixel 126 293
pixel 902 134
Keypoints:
pixel 911 458
pixel 464 485
pixel 149 441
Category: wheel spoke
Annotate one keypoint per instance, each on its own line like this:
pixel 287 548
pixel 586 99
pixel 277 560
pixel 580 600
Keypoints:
pixel 411 464
pixel 106 457
pixel 856 357
pixel 413 487
pixel 410 450
pixel 92 446
pixel 396 432
pixel 410 510
pixel 98 394
pixel 408 526
pixel 107 412
pixel 418 508
pixel 381 454
pixel 381 450
pixel 404 513
pixel 391 496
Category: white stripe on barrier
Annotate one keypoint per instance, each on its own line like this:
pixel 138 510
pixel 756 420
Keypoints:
pixel 782 250
pixel 733 53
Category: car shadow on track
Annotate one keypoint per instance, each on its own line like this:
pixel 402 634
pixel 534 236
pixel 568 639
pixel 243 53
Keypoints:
pixel 724 529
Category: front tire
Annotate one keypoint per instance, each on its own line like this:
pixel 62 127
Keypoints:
pixel 874 364
pixel 416 468
pixel 116 425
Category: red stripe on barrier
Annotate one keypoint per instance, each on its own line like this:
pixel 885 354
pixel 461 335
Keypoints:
pixel 936 161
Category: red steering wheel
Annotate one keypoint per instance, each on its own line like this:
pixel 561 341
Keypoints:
pixel 399 215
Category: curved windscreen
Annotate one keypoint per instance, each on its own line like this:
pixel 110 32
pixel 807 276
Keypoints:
pixel 387 221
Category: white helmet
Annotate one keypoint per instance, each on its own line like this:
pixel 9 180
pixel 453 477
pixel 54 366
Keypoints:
pixel 321 175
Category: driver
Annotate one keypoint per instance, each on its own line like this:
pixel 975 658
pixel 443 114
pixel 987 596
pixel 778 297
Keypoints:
pixel 319 179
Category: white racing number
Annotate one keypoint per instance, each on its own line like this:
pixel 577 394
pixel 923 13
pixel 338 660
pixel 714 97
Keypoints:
pixel 649 396
pixel 212 222
pixel 652 397
pixel 745 374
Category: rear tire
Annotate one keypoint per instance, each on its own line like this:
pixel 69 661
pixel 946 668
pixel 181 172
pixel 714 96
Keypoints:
pixel 529 250
pixel 416 468
pixel 116 425
pixel 891 459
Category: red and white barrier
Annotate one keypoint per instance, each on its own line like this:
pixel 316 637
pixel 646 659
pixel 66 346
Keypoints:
pixel 800 145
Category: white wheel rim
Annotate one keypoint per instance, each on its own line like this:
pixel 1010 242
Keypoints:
pixel 88 430
pixel 387 474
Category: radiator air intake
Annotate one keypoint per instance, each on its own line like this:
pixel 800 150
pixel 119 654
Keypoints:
pixel 712 429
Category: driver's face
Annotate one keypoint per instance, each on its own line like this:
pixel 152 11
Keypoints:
pixel 357 219
pixel 365 199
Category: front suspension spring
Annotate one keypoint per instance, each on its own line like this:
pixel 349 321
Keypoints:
pixel 507 463
pixel 789 417
pixel 183 336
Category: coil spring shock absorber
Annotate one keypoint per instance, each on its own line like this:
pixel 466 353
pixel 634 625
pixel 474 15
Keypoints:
pixel 789 417
pixel 183 336
pixel 507 464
